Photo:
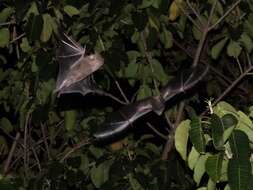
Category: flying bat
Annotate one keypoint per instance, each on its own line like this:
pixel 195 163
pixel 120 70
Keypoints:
pixel 75 68
pixel 117 123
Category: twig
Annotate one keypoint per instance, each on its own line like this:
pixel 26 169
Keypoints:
pixel 194 11
pixel 226 14
pixel 170 143
pixel 101 92
pixel 121 92
pixel 203 38
pixel 216 71
pixel 17 38
pixel 76 147
pixel 156 131
pixel 45 140
pixel 230 87
pixel 10 155
pixel 149 58
pixel 188 16
pixel 36 158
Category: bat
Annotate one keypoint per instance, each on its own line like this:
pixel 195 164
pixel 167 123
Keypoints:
pixel 119 122
pixel 75 68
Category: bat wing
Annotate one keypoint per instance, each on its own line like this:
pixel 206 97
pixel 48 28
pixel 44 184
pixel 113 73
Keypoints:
pixel 120 121
pixel 83 87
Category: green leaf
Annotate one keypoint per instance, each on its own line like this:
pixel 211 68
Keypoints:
pixel 34 27
pixel 96 152
pixel 239 144
pixel 146 4
pixel 217 131
pixel 159 72
pixel 166 38
pixel 229 121
pixel 211 185
pixel 25 47
pixel 197 135
pixel 217 48
pixel 247 42
pixel 135 185
pixel 234 49
pixel 47 28
pixel 6 13
pixel 245 124
pixel 144 92
pixel 213 166
pixel 71 11
pixel 6 125
pixel 223 108
pixel 199 169
pixel 131 70
pixel 4 37
pixel 99 175
pixel 70 119
pixel 239 174
pixel 181 138
pixel 193 158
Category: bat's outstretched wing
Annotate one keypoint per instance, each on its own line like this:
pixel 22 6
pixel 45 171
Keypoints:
pixel 119 122
pixel 75 67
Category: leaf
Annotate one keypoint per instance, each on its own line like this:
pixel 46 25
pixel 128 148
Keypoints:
pixel 217 48
pixel 25 47
pixel 217 131
pixel 166 38
pixel 193 158
pixel 211 185
pixel 229 121
pixel 247 42
pixel 159 72
pixel 239 144
pixel 131 70
pixel 239 174
pixel 47 28
pixel 245 124
pixel 6 13
pixel 234 49
pixel 34 27
pixel 99 175
pixel 199 169
pixel 174 10
pixel 213 166
pixel 135 185
pixel 144 92
pixel 197 135
pixel 70 119
pixel 181 138
pixel 4 37
pixel 146 4
pixel 6 125
pixel 71 11
pixel 96 152
pixel 223 108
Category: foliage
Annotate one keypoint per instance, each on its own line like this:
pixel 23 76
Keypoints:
pixel 45 140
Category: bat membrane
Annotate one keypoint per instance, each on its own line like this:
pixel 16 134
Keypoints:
pixel 75 67
pixel 117 123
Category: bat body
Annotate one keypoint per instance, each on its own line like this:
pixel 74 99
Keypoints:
pixel 75 67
